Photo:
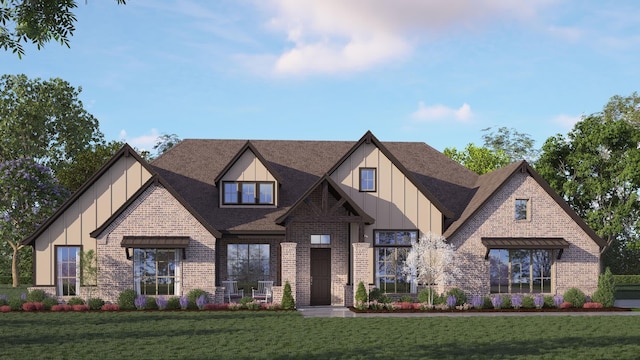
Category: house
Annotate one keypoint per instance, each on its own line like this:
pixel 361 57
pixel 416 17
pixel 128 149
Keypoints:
pixel 322 215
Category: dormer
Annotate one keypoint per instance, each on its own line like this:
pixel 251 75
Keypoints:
pixel 248 180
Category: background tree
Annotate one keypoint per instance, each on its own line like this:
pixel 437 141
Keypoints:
pixel 596 168
pixel 36 21
pixel 478 159
pixel 516 145
pixel 165 142
pixel 77 171
pixel 30 194
pixel 44 120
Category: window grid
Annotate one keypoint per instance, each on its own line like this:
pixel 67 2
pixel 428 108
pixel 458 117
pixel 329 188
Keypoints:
pixel 520 271
pixel 248 192
pixel 155 271
pixel 68 270
pixel 368 179
pixel 391 249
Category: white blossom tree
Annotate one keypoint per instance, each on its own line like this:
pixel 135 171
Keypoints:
pixel 430 262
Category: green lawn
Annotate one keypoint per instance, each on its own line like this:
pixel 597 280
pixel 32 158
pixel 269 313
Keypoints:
pixel 287 335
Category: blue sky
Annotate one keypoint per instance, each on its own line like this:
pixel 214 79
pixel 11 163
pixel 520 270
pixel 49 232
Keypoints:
pixel 408 70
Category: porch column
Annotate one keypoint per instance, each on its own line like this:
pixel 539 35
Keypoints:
pixel 288 266
pixel 361 267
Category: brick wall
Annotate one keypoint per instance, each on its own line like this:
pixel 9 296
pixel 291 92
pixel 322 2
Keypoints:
pixel 579 266
pixel 361 268
pixel 155 213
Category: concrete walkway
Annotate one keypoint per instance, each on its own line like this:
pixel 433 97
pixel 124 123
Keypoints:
pixel 343 312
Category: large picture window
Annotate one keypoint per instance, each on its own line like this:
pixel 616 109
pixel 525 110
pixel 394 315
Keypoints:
pixel 68 270
pixel 520 271
pixel 248 264
pixel 155 271
pixel 391 249
pixel 246 192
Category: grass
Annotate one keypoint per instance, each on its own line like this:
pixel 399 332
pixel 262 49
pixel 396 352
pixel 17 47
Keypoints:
pixel 287 335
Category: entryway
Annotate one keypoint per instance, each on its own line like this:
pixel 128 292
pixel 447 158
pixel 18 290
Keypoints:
pixel 320 276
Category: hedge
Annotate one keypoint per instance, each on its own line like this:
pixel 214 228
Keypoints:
pixel 627 279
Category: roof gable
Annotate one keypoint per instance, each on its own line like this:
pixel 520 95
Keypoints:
pixel 369 138
pixel 489 184
pixel 125 151
pixel 248 146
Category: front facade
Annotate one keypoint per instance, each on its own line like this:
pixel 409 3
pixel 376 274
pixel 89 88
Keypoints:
pixel 320 215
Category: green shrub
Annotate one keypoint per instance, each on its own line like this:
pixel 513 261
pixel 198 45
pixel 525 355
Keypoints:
pixel 75 301
pixel 461 297
pixel 173 303
pixel 576 297
pixel 95 303
pixel 627 279
pixel 506 302
pixel 36 295
pixel 548 302
pixel 245 300
pixel 361 293
pixel 151 303
pixel 4 300
pixel 605 294
pixel 287 299
pixel 385 299
pixel 406 298
pixel 375 294
pixel 48 302
pixel 126 299
pixel 424 294
pixel 527 302
pixel 486 303
pixel 193 295
pixel 16 304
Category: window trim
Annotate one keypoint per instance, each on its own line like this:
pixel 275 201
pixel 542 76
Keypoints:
pixel 256 196
pixel 527 209
pixel 532 290
pixel 78 269
pixel 269 276
pixel 321 239
pixel 363 170
pixel 376 278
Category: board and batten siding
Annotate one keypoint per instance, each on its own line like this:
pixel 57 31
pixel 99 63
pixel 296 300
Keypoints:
pixel 248 168
pixel 87 213
pixel 396 204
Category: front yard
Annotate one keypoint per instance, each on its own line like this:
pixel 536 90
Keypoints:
pixel 287 335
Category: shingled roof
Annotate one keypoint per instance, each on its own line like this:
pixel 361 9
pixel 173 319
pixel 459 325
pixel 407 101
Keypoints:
pixel 191 167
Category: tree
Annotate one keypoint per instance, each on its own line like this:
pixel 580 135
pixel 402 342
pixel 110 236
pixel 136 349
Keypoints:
pixel 165 142
pixel 89 272
pixel 43 120
pixel 430 262
pixel 478 159
pixel 516 145
pixel 36 21
pixel 30 194
pixel 76 172
pixel 596 168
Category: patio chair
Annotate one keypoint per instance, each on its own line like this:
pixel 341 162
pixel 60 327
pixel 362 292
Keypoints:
pixel 264 292
pixel 231 290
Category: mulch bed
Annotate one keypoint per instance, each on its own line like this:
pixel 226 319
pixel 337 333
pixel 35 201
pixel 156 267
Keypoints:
pixel 569 310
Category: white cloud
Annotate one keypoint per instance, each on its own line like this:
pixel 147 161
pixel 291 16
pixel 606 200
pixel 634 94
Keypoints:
pixel 141 142
pixel 571 34
pixel 567 121
pixel 441 112
pixel 330 36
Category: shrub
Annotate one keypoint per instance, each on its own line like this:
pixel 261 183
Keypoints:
pixel 49 302
pixel 184 302
pixel 375 294
pixel 404 305
pixel 80 307
pixel 592 305
pixel 16 303
pixel 110 307
pixel 126 299
pixel 245 300
pixel 95 303
pixel 516 301
pixel 361 293
pixel 575 296
pixel 487 302
pixel 29 306
pixel 61 307
pixel 151 303
pixel 496 301
pixel 75 301
pixel 425 293
pixel 549 302
pixel 193 297
pixel 140 302
pixel 162 302
pixel 566 305
pixel 287 299
pixel 627 279
pixel 36 295
pixel 528 302
pixel 5 308
pixel 461 297
pixel 406 299
pixel 384 299
pixel 539 301
pixel 4 300
pixel 506 302
pixel 451 301
pixel 274 306
pixel 605 294
pixel 252 305
pixel 201 301
pixel 477 301
pixel 557 300
pixel 173 303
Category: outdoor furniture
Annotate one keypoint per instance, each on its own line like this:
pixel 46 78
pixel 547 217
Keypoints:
pixel 264 292
pixel 231 290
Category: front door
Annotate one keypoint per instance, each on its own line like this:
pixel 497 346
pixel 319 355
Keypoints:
pixel 320 276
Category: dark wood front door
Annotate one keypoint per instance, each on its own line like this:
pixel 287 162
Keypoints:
pixel 320 276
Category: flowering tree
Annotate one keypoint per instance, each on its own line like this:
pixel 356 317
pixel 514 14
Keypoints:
pixel 430 262
pixel 30 194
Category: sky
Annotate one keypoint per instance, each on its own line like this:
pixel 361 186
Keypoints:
pixel 432 71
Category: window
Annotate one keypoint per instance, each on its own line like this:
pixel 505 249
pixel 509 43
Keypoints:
pixel 67 270
pixel 248 264
pixel 321 239
pixel 155 271
pixel 391 249
pixel 248 192
pixel 522 209
pixel 367 179
pixel 520 271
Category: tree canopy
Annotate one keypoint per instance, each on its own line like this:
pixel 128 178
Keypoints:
pixel 596 168
pixel 36 21
pixel 516 145
pixel 43 120
pixel 478 159
pixel 78 170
